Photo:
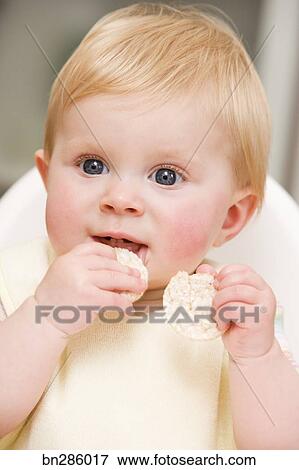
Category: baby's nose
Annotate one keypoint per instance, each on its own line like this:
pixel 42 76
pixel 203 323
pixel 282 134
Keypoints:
pixel 121 204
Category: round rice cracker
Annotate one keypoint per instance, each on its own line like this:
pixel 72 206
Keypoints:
pixel 189 292
pixel 128 258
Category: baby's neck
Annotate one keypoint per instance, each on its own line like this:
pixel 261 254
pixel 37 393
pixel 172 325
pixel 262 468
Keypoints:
pixel 151 298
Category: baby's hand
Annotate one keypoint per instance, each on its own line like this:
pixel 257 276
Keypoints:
pixel 87 275
pixel 248 331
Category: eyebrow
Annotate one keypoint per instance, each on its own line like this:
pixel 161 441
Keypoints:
pixel 181 158
pixel 73 144
pixel 172 155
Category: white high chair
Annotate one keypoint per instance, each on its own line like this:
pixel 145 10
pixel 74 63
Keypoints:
pixel 269 243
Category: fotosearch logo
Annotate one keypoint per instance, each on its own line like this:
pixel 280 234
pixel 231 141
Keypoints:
pixel 143 313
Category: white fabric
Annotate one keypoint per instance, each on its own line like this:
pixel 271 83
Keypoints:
pixel 120 384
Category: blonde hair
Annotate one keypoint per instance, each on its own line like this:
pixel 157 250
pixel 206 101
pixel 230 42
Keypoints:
pixel 166 51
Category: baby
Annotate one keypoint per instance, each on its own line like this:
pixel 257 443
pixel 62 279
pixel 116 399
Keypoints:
pixel 157 139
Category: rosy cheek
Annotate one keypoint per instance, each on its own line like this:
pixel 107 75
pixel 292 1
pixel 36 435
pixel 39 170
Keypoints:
pixel 186 232
pixel 62 215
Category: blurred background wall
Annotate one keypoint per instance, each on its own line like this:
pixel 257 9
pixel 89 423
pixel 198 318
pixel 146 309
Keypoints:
pixel 59 26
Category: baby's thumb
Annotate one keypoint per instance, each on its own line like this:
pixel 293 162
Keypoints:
pixel 206 268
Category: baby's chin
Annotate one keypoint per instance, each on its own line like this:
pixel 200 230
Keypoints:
pixel 156 285
pixel 159 280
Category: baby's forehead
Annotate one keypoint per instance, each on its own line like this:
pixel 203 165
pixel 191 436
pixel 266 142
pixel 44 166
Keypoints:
pixel 178 127
pixel 142 103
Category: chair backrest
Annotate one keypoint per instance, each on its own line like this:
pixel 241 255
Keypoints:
pixel 269 243
pixel 22 210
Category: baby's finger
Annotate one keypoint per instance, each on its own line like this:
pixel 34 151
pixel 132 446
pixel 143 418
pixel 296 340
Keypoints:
pixel 231 313
pixel 95 248
pixel 237 293
pixel 223 323
pixel 107 297
pixel 95 263
pixel 206 268
pixel 231 268
pixel 112 280
pixel 243 314
pixel 249 278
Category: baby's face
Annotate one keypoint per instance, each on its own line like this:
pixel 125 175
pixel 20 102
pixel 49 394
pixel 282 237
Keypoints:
pixel 177 214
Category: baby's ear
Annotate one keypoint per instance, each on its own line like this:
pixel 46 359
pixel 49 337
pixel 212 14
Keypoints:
pixel 42 165
pixel 238 215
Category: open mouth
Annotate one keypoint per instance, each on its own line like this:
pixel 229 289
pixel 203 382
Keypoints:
pixel 139 249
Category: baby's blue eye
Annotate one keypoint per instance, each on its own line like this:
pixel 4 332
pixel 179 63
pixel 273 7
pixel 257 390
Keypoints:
pixel 92 166
pixel 166 176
